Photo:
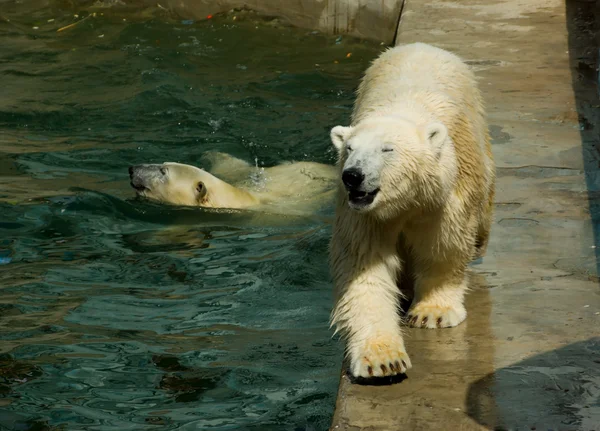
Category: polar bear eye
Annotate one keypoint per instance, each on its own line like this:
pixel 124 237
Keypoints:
pixel 349 148
pixel 163 171
pixel 387 149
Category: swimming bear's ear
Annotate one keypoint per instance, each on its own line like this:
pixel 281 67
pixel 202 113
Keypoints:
pixel 339 135
pixel 201 189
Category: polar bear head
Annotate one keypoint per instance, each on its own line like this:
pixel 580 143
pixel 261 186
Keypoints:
pixel 180 184
pixel 391 164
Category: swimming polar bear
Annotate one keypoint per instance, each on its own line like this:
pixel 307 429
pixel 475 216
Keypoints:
pixel 289 188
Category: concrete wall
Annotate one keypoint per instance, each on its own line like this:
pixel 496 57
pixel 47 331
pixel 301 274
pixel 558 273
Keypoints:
pixel 369 19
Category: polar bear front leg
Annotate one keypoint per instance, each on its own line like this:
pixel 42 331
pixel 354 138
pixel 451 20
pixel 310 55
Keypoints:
pixel 367 303
pixel 439 294
pixel 367 314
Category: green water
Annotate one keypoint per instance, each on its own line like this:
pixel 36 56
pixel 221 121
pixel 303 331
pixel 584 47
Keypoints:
pixel 119 314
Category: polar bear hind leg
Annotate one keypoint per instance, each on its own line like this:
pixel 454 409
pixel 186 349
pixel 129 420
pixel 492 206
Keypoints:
pixel 441 255
pixel 223 164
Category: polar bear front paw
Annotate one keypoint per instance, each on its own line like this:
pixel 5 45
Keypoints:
pixel 380 356
pixel 432 316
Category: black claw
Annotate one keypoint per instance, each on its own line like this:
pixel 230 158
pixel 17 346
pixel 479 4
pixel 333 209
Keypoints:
pixel 439 322
pixel 404 364
pixel 397 364
pixel 383 369
pixel 370 371
pixel 392 367
pixel 424 321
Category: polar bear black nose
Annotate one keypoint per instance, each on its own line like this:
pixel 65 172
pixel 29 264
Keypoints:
pixel 352 178
pixel 131 171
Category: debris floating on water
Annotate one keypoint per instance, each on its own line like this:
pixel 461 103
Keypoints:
pixel 66 27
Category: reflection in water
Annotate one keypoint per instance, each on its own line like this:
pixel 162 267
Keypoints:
pixel 15 372
pixel 121 314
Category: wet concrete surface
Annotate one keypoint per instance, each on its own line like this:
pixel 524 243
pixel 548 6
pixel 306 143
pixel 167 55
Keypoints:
pixel 528 356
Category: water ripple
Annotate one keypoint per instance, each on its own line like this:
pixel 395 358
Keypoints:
pixel 121 314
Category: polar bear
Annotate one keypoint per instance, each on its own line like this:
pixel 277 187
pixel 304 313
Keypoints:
pixel 289 188
pixel 416 185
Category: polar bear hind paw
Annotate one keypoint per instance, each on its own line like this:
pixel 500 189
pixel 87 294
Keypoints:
pixel 433 316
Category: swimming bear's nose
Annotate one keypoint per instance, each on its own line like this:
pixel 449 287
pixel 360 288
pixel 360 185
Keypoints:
pixel 352 178
pixel 131 171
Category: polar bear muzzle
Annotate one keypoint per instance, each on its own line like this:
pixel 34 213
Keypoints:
pixel 144 176
pixel 353 179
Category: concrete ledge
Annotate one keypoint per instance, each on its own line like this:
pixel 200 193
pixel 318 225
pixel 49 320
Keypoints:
pixel 524 359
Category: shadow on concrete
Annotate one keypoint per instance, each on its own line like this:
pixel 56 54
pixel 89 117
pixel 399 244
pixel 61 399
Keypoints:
pixel 583 26
pixel 375 381
pixel 557 390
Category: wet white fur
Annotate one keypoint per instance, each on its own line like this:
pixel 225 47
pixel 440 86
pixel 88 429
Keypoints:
pixel 419 134
pixel 293 188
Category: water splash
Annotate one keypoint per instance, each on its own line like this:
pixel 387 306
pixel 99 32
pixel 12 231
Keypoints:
pixel 258 177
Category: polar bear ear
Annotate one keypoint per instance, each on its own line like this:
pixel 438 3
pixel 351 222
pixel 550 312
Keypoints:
pixel 201 189
pixel 436 134
pixel 339 135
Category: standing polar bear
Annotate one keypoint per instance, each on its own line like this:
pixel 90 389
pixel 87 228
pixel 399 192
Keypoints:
pixel 417 187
